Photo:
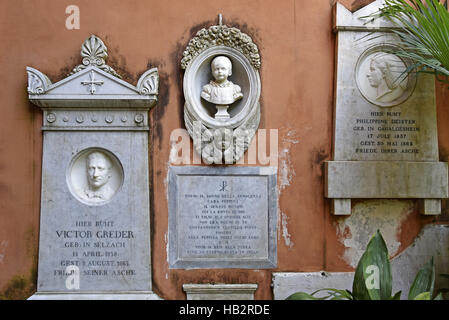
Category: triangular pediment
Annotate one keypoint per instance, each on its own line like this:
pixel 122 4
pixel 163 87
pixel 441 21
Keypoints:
pixel 92 84
pixel 346 20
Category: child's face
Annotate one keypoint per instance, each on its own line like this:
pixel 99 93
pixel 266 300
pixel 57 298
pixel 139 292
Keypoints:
pixel 220 70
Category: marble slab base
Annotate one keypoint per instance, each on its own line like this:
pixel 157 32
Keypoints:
pixel 220 291
pixel 146 295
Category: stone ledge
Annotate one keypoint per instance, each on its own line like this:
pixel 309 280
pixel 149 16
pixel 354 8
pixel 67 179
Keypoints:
pixel 146 295
pixel 386 179
pixel 287 283
pixel 220 291
pixel 433 241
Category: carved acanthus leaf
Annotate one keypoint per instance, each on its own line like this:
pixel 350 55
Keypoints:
pixel 221 35
pixel 94 53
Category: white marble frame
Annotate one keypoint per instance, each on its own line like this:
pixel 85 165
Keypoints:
pixel 76 175
pixel 386 48
pixel 197 110
pixel 246 119
pixel 268 262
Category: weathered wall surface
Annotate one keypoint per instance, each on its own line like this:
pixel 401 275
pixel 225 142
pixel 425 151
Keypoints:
pixel 296 42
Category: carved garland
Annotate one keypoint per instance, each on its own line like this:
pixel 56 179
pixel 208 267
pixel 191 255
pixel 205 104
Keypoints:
pixel 222 143
pixel 221 35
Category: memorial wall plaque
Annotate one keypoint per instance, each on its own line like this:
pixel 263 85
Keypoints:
pixel 222 217
pixel 94 226
pixel 385 126
pixel 377 122
pixel 221 90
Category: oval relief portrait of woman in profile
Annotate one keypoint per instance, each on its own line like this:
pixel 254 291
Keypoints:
pixel 382 78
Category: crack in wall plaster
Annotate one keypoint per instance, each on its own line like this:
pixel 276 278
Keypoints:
pixel 368 216
pixel 3 246
pixel 286 175
pixel 291 137
pixel 285 234
pixel 286 171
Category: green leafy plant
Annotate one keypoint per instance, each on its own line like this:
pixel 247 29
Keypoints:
pixel 423 27
pixel 373 279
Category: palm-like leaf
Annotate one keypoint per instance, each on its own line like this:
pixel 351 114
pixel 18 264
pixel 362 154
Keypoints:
pixel 424 281
pixel 332 294
pixel 375 255
pixel 423 27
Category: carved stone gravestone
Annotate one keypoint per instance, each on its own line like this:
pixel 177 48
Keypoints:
pixel 221 91
pixel 94 228
pixel 385 126
pixel 222 216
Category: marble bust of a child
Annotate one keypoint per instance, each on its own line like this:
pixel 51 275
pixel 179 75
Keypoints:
pixel 221 91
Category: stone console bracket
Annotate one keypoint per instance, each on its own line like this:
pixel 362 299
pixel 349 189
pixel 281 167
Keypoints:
pixel 346 180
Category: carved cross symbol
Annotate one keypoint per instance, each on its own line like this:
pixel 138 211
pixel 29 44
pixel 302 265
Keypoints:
pixel 223 186
pixel 92 82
